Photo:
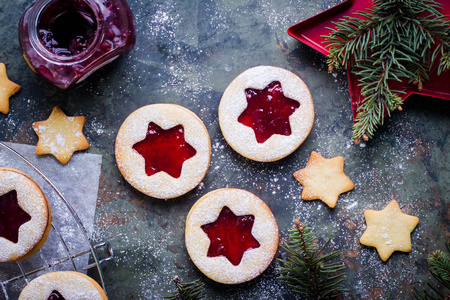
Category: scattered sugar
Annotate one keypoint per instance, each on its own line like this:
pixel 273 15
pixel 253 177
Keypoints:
pixel 175 77
pixel 60 140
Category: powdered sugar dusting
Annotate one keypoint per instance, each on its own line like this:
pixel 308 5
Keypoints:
pixel 265 231
pixel 71 285
pixel 242 138
pixel 32 200
pixel 132 165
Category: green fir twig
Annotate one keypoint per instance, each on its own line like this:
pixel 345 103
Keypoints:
pixel 394 40
pixel 440 269
pixel 307 270
pixel 187 291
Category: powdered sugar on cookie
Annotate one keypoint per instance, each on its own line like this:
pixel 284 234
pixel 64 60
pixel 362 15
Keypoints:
pixel 132 165
pixel 60 135
pixel 264 230
pixel 70 285
pixel 31 199
pixel 242 138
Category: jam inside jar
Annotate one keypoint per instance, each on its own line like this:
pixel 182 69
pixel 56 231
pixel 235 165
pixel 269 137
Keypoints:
pixel 67 27
pixel 64 41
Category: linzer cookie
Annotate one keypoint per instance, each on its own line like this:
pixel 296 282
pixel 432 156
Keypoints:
pixel 25 217
pixel 231 235
pixel 67 285
pixel 163 150
pixel 266 113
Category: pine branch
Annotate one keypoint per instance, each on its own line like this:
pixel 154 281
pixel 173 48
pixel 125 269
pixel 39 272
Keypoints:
pixel 440 269
pixel 187 291
pixel 395 40
pixel 307 270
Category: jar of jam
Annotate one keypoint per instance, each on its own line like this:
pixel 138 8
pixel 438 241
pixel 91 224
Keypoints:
pixel 64 41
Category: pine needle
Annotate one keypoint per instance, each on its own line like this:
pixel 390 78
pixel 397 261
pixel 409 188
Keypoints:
pixel 394 40
pixel 308 271
pixel 187 291
pixel 440 269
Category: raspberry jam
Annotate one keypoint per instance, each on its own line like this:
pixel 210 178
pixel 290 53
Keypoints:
pixel 64 41
pixel 55 296
pixel 67 28
pixel 230 235
pixel 12 216
pixel 268 111
pixel 164 150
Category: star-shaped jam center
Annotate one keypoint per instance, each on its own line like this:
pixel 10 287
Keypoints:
pixel 268 111
pixel 164 150
pixel 230 235
pixel 12 216
pixel 55 295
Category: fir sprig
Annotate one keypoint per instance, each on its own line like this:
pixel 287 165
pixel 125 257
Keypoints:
pixel 187 291
pixel 392 41
pixel 440 269
pixel 307 270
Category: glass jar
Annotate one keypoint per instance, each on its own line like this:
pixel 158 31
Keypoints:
pixel 64 41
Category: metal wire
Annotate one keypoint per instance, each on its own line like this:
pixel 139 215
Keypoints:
pixel 97 263
pixel 4 291
pixel 66 248
pixel 59 261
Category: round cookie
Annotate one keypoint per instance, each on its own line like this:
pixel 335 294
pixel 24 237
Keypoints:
pixel 25 216
pixel 68 284
pixel 257 82
pixel 214 253
pixel 163 119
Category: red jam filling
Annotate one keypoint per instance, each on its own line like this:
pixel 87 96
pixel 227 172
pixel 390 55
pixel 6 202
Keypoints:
pixel 164 150
pixel 268 111
pixel 12 216
pixel 55 296
pixel 67 27
pixel 230 236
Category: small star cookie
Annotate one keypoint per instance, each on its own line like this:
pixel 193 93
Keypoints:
pixel 60 135
pixel 388 230
pixel 324 179
pixel 7 89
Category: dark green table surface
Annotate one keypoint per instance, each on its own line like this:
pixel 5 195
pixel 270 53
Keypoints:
pixel 187 52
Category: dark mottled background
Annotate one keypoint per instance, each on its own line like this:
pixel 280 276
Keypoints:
pixel 187 52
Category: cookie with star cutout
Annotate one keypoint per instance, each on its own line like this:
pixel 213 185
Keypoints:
pixel 7 89
pixel 324 179
pixel 266 113
pixel 163 150
pixel 388 230
pixel 25 216
pixel 231 235
pixel 60 135
pixel 68 285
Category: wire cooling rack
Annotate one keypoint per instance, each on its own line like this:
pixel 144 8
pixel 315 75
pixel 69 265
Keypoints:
pixel 68 246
